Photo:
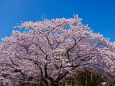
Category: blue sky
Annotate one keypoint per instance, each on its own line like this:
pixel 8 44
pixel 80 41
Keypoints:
pixel 99 14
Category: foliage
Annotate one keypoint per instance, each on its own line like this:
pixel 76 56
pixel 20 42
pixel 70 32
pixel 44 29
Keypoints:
pixel 92 79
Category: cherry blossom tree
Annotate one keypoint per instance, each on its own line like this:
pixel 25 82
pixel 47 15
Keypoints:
pixel 49 50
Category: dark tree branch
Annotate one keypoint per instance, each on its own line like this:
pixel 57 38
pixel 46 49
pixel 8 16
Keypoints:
pixel 61 76
pixel 68 50
pixel 13 62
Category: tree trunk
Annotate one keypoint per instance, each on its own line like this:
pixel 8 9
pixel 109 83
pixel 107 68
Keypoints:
pixel 54 84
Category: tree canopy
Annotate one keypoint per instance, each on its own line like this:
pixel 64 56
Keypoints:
pixel 48 50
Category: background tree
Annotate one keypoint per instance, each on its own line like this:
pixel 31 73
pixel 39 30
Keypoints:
pixel 88 79
pixel 48 50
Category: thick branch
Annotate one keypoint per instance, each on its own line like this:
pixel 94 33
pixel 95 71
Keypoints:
pixel 61 76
